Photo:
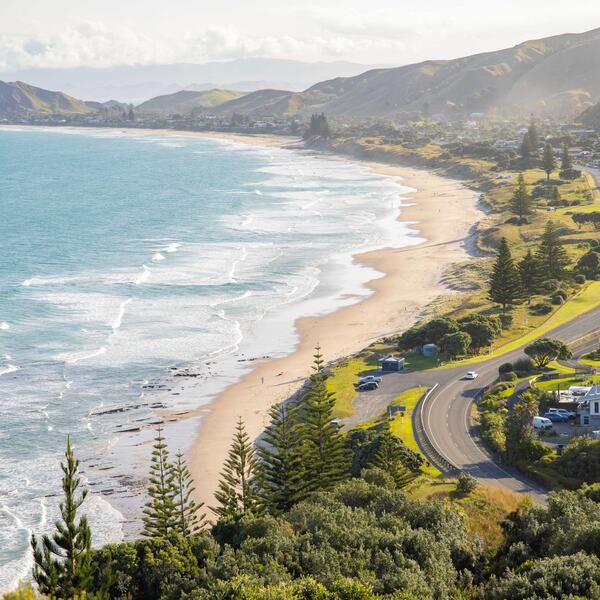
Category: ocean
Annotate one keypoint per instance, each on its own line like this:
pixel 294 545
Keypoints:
pixel 129 258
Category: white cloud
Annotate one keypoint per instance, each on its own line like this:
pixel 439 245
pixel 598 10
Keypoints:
pixel 95 44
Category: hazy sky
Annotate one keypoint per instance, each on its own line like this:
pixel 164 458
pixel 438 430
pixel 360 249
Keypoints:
pixel 66 33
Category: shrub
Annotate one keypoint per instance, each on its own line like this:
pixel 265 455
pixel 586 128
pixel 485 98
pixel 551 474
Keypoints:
pixel 523 365
pixel 541 308
pixel 506 319
pixel 579 278
pixel 466 483
pixel 550 285
pixel 505 368
pixel 557 299
pixel 508 376
pixel 562 294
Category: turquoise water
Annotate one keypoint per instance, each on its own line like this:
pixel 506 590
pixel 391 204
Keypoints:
pixel 125 256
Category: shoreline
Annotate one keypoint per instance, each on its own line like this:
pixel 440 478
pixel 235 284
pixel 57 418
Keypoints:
pixel 441 210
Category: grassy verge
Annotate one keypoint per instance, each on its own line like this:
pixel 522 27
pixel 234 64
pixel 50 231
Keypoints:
pixel 342 383
pixel 587 299
pixel 402 426
pixel 566 382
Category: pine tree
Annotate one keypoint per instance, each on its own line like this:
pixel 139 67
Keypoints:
pixel 389 460
pixel 566 164
pixel 236 492
pixel 62 562
pixel 531 275
pixel 325 458
pixel 551 255
pixel 521 200
pixel 548 160
pixel 526 149
pixel 505 281
pixel 160 516
pixel 534 139
pixel 188 518
pixel 556 199
pixel 282 462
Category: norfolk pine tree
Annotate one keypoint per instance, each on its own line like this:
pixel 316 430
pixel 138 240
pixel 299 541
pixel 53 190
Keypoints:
pixel 325 459
pixel 531 274
pixel 566 164
pixel 62 562
pixel 282 464
pixel 236 493
pixel 505 281
pixel 551 255
pixel 521 200
pixel 534 138
pixel 388 459
pixel 526 150
pixel 548 162
pixel 160 517
pixel 188 518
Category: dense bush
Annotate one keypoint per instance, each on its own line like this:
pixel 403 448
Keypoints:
pixel 505 368
pixel 557 299
pixel 541 308
pixel 524 365
pixel 510 376
pixel 465 483
pixel 579 278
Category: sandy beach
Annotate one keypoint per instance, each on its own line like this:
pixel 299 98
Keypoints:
pixel 444 211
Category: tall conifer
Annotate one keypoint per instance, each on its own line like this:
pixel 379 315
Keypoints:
pixel 551 255
pixel 282 462
pixel 62 562
pixel 521 200
pixel 325 459
pixel 189 520
pixel 505 281
pixel 389 460
pixel 160 517
pixel 236 492
pixel 531 275
pixel 548 161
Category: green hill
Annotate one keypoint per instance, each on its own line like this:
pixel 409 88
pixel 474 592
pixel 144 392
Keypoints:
pixel 19 98
pixel 186 101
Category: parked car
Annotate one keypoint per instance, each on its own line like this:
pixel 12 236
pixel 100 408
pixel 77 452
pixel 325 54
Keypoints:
pixel 368 378
pixel 471 375
pixel 542 423
pixel 563 411
pixel 556 418
pixel 367 386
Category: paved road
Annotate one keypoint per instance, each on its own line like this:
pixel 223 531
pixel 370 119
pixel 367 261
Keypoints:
pixel 446 414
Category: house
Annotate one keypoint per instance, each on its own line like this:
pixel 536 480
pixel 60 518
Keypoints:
pixel 391 363
pixel 589 413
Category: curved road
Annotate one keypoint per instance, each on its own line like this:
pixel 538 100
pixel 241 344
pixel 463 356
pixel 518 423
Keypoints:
pixel 445 414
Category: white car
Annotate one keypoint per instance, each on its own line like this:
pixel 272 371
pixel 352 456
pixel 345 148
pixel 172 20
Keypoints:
pixel 471 375
pixel 368 378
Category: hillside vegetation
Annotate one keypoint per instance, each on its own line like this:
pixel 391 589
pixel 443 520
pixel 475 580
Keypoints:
pixel 19 98
pixel 187 101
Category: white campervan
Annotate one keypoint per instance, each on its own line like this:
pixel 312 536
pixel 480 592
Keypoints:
pixel 542 423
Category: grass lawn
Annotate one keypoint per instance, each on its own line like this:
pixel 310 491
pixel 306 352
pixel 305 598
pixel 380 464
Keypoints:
pixel 342 383
pixel 558 368
pixel 565 382
pixel 402 427
pixel 587 299
pixel 592 363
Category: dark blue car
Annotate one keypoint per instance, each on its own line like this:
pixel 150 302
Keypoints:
pixel 555 418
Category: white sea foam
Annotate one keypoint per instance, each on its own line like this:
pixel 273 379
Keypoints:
pixel 144 276
pixel 157 257
pixel 116 324
pixel 4 326
pixel 174 247
pixel 8 369
pixel 78 357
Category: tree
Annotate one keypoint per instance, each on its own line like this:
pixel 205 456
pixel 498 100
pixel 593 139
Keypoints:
pixel 566 164
pixel 548 162
pixel 531 274
pixel 556 199
pixel 188 518
pixel 584 218
pixel 325 458
pixel 551 255
pixel 521 200
pixel 436 329
pixel 160 514
pixel 282 463
pixel 505 281
pixel 481 329
pixel 544 350
pixel 526 149
pixel 318 126
pixel 520 434
pixel 589 265
pixel 236 492
pixel 534 138
pixel 456 344
pixel 388 459
pixel 62 562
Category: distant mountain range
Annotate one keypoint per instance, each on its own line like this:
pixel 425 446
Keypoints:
pixel 135 84
pixel 591 117
pixel 557 76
